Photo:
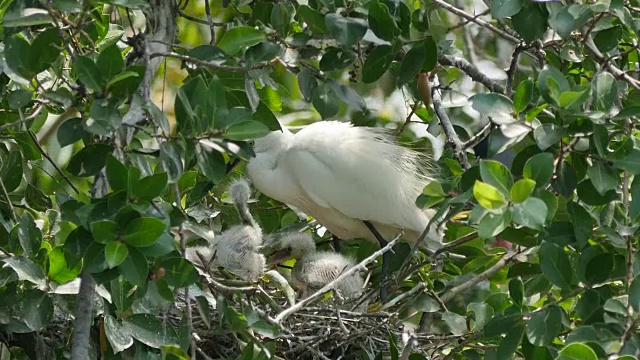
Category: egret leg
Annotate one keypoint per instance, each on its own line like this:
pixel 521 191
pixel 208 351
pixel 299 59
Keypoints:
pixel 336 243
pixel 385 259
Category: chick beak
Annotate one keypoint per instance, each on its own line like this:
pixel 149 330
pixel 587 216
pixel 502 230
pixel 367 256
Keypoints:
pixel 279 256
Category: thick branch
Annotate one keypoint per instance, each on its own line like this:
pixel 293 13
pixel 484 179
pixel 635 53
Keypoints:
pixel 210 64
pixel 614 70
pixel 471 70
pixel 452 137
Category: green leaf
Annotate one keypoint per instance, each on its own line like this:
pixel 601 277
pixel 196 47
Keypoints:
pixel 104 231
pixel 523 95
pixel 336 58
pixel 495 174
pixel 325 100
pixel 115 253
pixel 574 100
pixel 26 269
pixel 510 343
pixel 531 213
pixel 281 19
pixel 497 106
pixel 70 131
pixel 577 351
pixel 501 9
pixel 630 163
pixel 570 18
pixel 135 267
pixel 431 48
pixel 411 64
pixel 493 224
pixel 150 187
pixel 143 231
pixel 313 19
pixel 566 181
pixel 29 236
pixel 582 222
pixel 37 309
pixel 551 73
pixel 420 19
pixel 307 84
pixel 110 62
pixel 179 272
pixel 104 117
pixel 488 196
pixel 16 50
pixel 555 265
pixel 600 139
pixel 531 21
pixel 634 209
pixel 602 177
pixel 11 171
pixel 89 160
pixel 605 91
pixel 457 324
pixel 547 135
pixel 634 293
pixel 210 162
pixel 521 190
pixel 151 331
pixel 240 37
pixel 171 161
pixel 117 174
pixel 516 290
pixel 262 52
pixel 19 98
pixel 58 269
pixel 544 325
pixel 246 130
pixel 381 22
pixel 346 31
pixel 608 39
pixel 88 73
pixel 377 63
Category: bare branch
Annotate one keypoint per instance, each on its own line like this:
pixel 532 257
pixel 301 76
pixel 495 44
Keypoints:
pixel 55 166
pixel 210 64
pixel 471 70
pixel 614 70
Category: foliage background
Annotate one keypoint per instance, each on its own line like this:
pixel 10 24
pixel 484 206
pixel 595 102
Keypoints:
pixel 122 122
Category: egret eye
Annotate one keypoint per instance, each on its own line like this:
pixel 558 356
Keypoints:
pixel 251 142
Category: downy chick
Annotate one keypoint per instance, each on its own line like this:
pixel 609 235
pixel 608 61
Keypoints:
pixel 237 249
pixel 315 269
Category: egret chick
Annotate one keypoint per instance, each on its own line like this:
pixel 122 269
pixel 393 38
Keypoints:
pixel 358 182
pixel 237 249
pixel 315 269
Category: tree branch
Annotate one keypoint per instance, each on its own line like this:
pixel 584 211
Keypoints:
pixel 452 137
pixel 471 70
pixel 614 70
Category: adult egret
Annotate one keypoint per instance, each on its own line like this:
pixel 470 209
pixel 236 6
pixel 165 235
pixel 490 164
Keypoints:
pixel 315 269
pixel 358 182
pixel 237 249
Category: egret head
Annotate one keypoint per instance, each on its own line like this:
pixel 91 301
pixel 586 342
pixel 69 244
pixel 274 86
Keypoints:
pixel 273 141
pixel 291 245
pixel 240 191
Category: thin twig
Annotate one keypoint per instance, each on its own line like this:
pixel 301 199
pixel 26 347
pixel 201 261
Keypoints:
pixel 199 21
pixel 209 64
pixel 9 203
pixel 359 267
pixel 212 29
pixel 475 20
pixel 513 66
pixel 55 166
pixel 455 243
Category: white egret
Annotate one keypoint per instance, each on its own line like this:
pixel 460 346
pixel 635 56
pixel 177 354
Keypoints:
pixel 315 269
pixel 237 249
pixel 358 182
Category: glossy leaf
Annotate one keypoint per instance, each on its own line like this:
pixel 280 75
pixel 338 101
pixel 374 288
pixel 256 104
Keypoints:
pixel 143 231
pixel 238 38
pixel 377 63
pixel 488 196
pixel 521 190
pixel 555 265
pixel 115 253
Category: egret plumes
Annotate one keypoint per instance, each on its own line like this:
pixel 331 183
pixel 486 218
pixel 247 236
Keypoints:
pixel 343 175
pixel 315 269
pixel 237 249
